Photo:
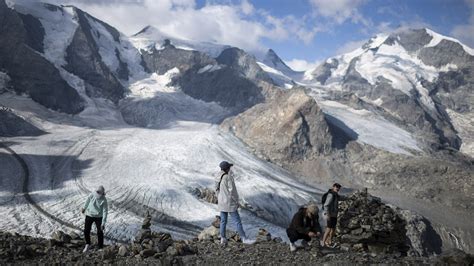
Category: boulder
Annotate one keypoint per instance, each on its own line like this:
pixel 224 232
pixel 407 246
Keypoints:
pixel 263 235
pixel 142 235
pixel 109 253
pixel 209 233
pixel 172 251
pixel 123 251
pixel 217 222
pixel 61 237
pixel 147 253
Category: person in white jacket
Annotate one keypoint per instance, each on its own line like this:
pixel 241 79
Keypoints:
pixel 228 202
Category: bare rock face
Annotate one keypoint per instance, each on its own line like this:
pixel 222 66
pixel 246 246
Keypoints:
pixel 83 59
pixel 160 61
pixel 288 127
pixel 243 63
pixel 30 72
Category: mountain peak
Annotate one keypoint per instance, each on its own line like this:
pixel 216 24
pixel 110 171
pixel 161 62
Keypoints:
pixel 144 30
pixel 272 60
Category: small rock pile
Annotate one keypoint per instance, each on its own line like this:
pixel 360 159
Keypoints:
pixel 366 224
pixel 212 232
pixel 156 244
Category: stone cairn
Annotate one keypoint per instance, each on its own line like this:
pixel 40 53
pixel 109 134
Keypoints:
pixel 366 224
pixel 157 244
pixel 212 233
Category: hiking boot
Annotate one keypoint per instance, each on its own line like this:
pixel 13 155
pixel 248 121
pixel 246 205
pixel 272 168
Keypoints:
pixel 86 248
pixel 304 243
pixel 248 241
pixel 292 247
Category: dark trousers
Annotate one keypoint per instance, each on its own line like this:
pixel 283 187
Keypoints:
pixel 293 235
pixel 98 225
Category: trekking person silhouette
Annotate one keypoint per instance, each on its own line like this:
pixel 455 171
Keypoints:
pixel 228 202
pixel 96 210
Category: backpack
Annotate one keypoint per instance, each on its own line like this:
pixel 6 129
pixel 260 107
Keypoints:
pixel 323 199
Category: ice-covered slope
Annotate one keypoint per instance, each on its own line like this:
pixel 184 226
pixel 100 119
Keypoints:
pixel 141 169
pixel 150 37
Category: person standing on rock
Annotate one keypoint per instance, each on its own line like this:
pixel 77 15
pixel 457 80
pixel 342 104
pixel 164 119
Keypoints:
pixel 96 210
pixel 228 202
pixel 304 225
pixel 330 208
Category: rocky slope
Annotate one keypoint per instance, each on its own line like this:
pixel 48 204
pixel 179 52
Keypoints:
pixel 288 127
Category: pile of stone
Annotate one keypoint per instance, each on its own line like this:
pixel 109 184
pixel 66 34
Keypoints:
pixel 156 244
pixel 212 233
pixel 366 224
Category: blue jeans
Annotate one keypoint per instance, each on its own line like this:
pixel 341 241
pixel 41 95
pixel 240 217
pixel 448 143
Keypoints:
pixel 236 218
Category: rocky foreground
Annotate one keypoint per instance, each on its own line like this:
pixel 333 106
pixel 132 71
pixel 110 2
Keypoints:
pixel 23 250
pixel 368 232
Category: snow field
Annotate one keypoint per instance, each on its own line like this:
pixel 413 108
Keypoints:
pixel 372 129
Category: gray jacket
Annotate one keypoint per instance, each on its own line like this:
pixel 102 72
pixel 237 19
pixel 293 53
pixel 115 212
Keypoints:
pixel 227 196
pixel 331 205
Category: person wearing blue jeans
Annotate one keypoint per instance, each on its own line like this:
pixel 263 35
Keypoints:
pixel 228 202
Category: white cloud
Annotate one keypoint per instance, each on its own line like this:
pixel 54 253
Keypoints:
pixel 301 64
pixel 340 10
pixel 465 32
pixel 350 46
pixel 238 24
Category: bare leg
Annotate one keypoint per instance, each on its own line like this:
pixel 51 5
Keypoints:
pixel 330 235
pixel 327 232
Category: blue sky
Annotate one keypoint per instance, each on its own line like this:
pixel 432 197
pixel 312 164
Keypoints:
pixel 302 32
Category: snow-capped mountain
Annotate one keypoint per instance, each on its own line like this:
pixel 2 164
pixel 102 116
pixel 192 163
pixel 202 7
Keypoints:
pixel 153 115
pixel 281 74
pixel 400 73
pixel 151 37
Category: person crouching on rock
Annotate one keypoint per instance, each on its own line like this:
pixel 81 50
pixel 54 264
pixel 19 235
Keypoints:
pixel 96 210
pixel 228 202
pixel 304 225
